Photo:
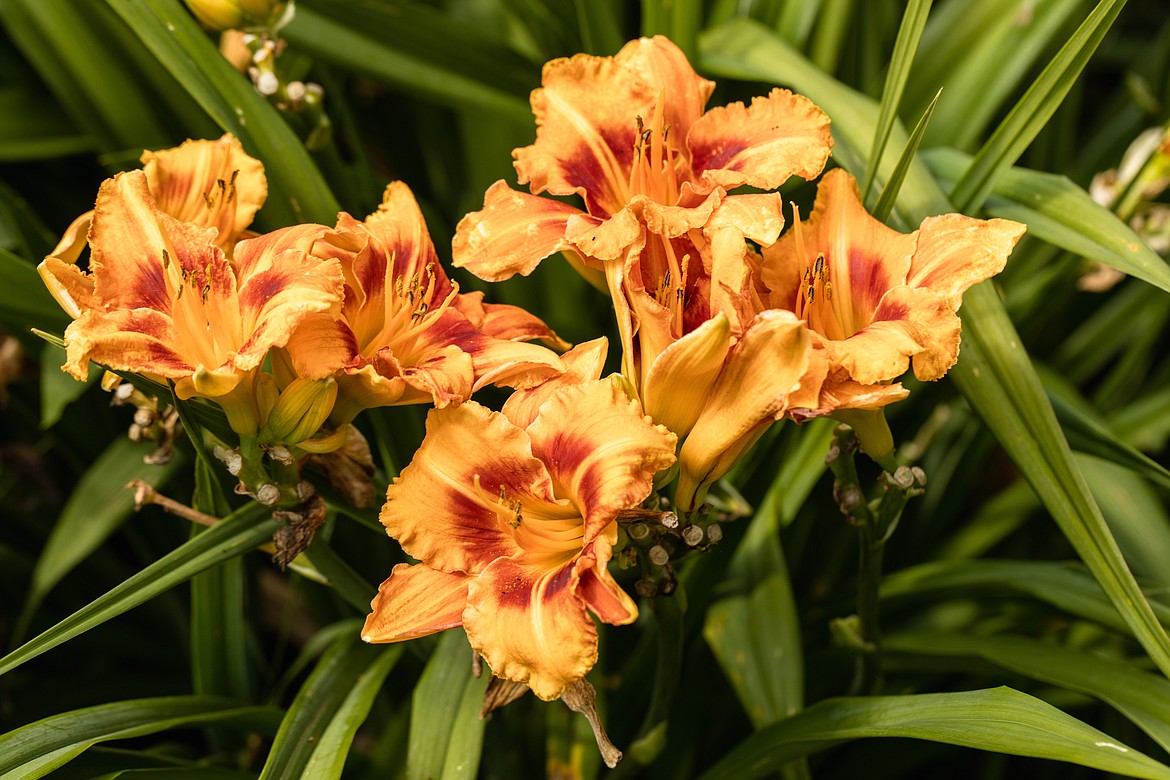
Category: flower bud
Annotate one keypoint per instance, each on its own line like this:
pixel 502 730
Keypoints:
pixel 237 14
pixel 301 409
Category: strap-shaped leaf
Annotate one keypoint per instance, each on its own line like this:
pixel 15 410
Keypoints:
pixel 1142 697
pixel 97 506
pixel 297 192
pixel 1024 122
pixel 36 749
pixel 1001 720
pixel 316 733
pixel 419 50
pixel 232 537
pixel 446 732
pixel 1064 586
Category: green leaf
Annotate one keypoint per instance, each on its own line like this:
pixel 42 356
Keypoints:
pixel 350 585
pixel 315 735
pixel 998 379
pixel 889 196
pixel 1001 720
pixel 24 301
pixel 297 192
pixel 1061 213
pixel 420 50
pixel 232 537
pixel 1136 515
pixel 66 43
pixel 446 732
pixel 909 33
pixel 97 506
pixel 1064 586
pixel 1028 117
pixel 1142 697
pixel 981 51
pixel 755 632
pixel 36 749
pixel 59 389
pixel 333 745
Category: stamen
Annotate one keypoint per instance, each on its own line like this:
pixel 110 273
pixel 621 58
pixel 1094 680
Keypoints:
pixel 231 195
pixel 166 257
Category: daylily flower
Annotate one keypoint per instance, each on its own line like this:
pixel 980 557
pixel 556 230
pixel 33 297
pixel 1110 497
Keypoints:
pixel 162 300
pixel 405 334
pixel 877 301
pixel 659 230
pixel 629 135
pixel 514 525
pixel 206 183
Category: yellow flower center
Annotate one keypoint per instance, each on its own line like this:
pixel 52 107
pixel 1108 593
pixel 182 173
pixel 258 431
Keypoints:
pixel 814 300
pixel 549 533
pixel 410 310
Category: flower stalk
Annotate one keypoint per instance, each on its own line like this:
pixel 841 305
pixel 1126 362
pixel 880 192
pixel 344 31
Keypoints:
pixel 876 520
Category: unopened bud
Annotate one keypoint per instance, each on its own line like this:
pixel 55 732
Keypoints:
pixel 658 555
pixel 237 14
pixel 638 531
pixel 714 533
pixel 693 535
pixel 300 411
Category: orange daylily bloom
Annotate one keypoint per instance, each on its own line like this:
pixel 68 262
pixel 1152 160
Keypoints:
pixel 514 525
pixel 878 301
pixel 629 135
pixel 206 183
pixel 405 334
pixel 163 300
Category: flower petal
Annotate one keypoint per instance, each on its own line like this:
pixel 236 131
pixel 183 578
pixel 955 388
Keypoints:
pixel 415 600
pixel 955 252
pixel 208 183
pixel 763 369
pixel 445 508
pixel 598 588
pixel 69 285
pixel 679 383
pixel 762 145
pixel 139 340
pixel 909 323
pixel 602 452
pixel 583 363
pixel 283 286
pixel 530 625
pixel 511 234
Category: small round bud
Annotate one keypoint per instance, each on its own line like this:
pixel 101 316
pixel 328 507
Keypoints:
pixel 693 535
pixel 714 533
pixel 658 555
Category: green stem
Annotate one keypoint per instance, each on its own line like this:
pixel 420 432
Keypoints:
pixel 668 610
pixel 871 546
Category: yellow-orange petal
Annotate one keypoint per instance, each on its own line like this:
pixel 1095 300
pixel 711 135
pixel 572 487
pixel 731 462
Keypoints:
pixel 511 234
pixel 762 145
pixel 513 323
pixel 529 624
pixel 670 221
pixel 208 183
pixel 605 239
pixel 415 600
pixel 601 450
pixel 139 340
pixel 583 363
pixel 908 323
pixel 847 394
pixel 955 252
pixel 762 371
pixel 71 288
pixel 441 375
pixel 283 286
pixel 445 509
pixel 320 345
pixel 601 593
pixel 679 383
